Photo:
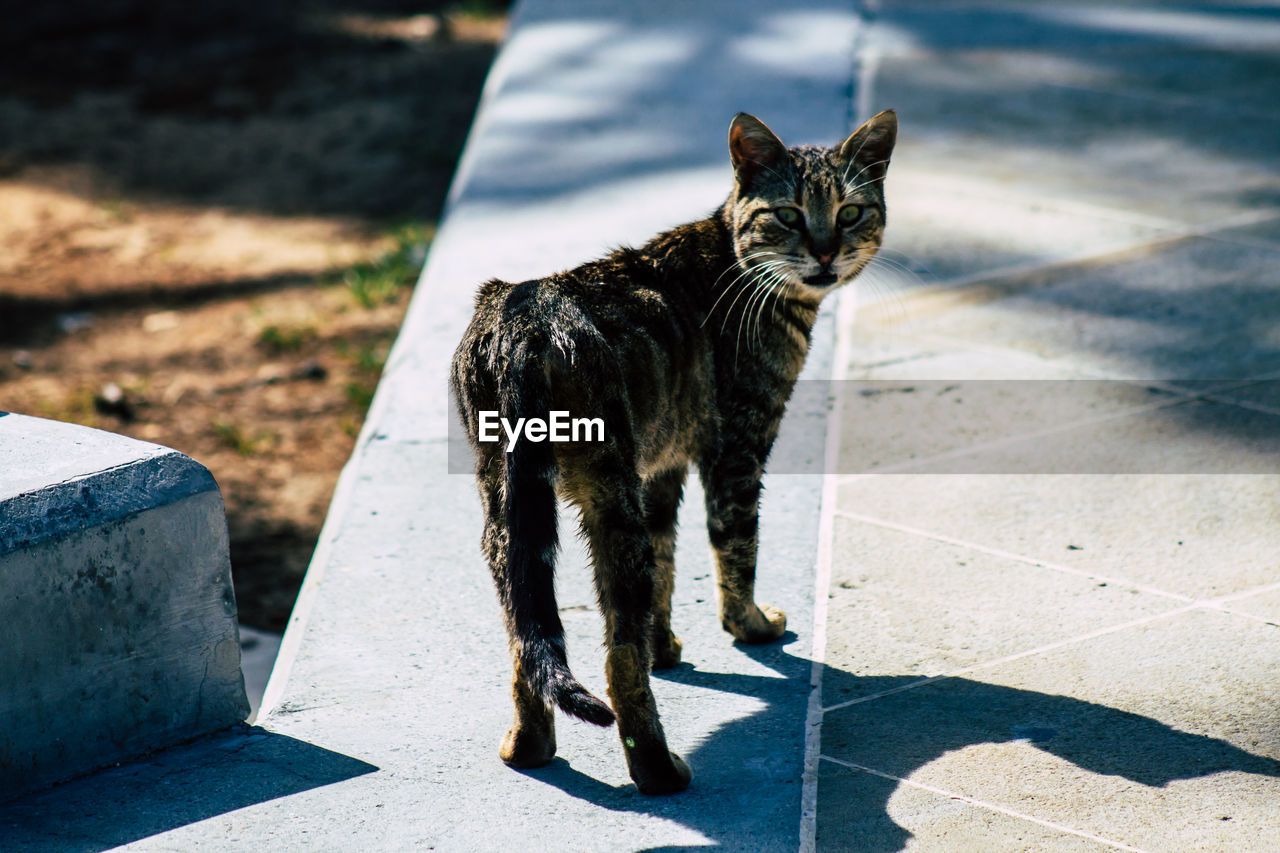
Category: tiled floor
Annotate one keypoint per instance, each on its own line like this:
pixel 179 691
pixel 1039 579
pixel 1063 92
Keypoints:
pixel 1053 662
pixel 1053 619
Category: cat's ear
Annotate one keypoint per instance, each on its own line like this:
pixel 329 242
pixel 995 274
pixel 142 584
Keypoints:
pixel 871 145
pixel 753 147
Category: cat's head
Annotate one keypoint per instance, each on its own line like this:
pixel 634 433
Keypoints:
pixel 808 218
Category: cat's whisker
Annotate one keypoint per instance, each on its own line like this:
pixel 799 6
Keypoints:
pixel 761 295
pixel 907 263
pixel 846 180
pixel 741 264
pixel 750 272
pixel 744 270
pixel 851 190
pixel 783 292
pixel 854 158
pixel 743 321
pixel 747 274
pixel 891 261
pixel 889 280
pixel 780 279
pixel 775 173
pixel 773 271
pixel 899 267
pixel 762 273
pixel 779 285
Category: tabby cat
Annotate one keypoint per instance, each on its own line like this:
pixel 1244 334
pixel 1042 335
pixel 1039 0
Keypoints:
pixel 687 349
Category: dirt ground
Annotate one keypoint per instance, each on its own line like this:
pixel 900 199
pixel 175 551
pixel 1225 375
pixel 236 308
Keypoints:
pixel 210 222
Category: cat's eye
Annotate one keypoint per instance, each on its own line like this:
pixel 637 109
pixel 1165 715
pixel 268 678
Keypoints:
pixel 788 216
pixel 849 214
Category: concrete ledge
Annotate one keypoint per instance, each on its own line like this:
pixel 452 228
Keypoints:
pixel 117 614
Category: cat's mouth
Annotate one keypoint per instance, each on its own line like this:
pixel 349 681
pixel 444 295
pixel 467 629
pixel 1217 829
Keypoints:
pixel 822 279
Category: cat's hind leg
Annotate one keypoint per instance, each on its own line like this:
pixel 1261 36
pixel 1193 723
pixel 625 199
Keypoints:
pixel 609 495
pixel 531 740
pixel 662 494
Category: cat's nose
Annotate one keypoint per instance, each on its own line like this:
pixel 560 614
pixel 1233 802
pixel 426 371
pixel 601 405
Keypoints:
pixel 825 258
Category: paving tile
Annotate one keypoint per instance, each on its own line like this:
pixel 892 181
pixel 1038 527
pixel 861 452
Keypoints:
pixel 1195 55
pixel 1198 309
pixel 902 607
pixel 1264 394
pixel 1195 535
pixel 861 811
pixel 911 424
pixel 1264 605
pixel 886 359
pixel 887 339
pixel 1191 437
pixel 1083 28
pixel 949 226
pixel 1161 736
pixel 1264 233
pixel 981 93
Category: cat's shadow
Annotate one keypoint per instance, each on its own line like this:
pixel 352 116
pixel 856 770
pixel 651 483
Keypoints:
pixel 897 734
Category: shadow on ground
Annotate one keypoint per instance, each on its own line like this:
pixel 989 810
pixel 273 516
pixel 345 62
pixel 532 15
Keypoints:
pixel 180 786
pixel 286 106
pixel 911 729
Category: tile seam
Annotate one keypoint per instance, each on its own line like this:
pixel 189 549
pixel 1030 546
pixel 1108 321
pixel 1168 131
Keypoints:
pixel 1010 555
pixel 982 804
pixel 1039 650
pixel 1244 614
pixel 1175 232
pixel 846 308
pixel 861 80
pixel 961 452
pixel 1179 396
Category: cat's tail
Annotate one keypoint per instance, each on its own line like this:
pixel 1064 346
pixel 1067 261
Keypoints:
pixel 529 505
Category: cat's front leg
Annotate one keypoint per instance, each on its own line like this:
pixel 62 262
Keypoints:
pixel 661 503
pixel 740 615
pixel 733 518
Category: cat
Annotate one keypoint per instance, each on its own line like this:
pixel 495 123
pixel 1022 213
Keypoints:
pixel 687 350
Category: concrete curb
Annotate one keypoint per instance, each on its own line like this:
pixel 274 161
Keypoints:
pixel 116 607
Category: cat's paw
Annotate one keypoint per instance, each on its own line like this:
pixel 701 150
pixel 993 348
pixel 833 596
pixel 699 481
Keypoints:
pixel 760 624
pixel 666 651
pixel 659 777
pixel 527 747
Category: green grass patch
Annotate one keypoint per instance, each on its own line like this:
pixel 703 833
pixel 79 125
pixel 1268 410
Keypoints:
pixel 382 281
pixel 482 8
pixel 236 438
pixel 279 339
pixel 367 361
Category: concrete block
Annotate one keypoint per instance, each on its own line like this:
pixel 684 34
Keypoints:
pixel 117 614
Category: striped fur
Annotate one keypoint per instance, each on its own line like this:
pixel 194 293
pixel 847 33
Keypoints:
pixel 687 348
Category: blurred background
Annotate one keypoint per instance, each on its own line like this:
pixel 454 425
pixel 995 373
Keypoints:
pixel 211 217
